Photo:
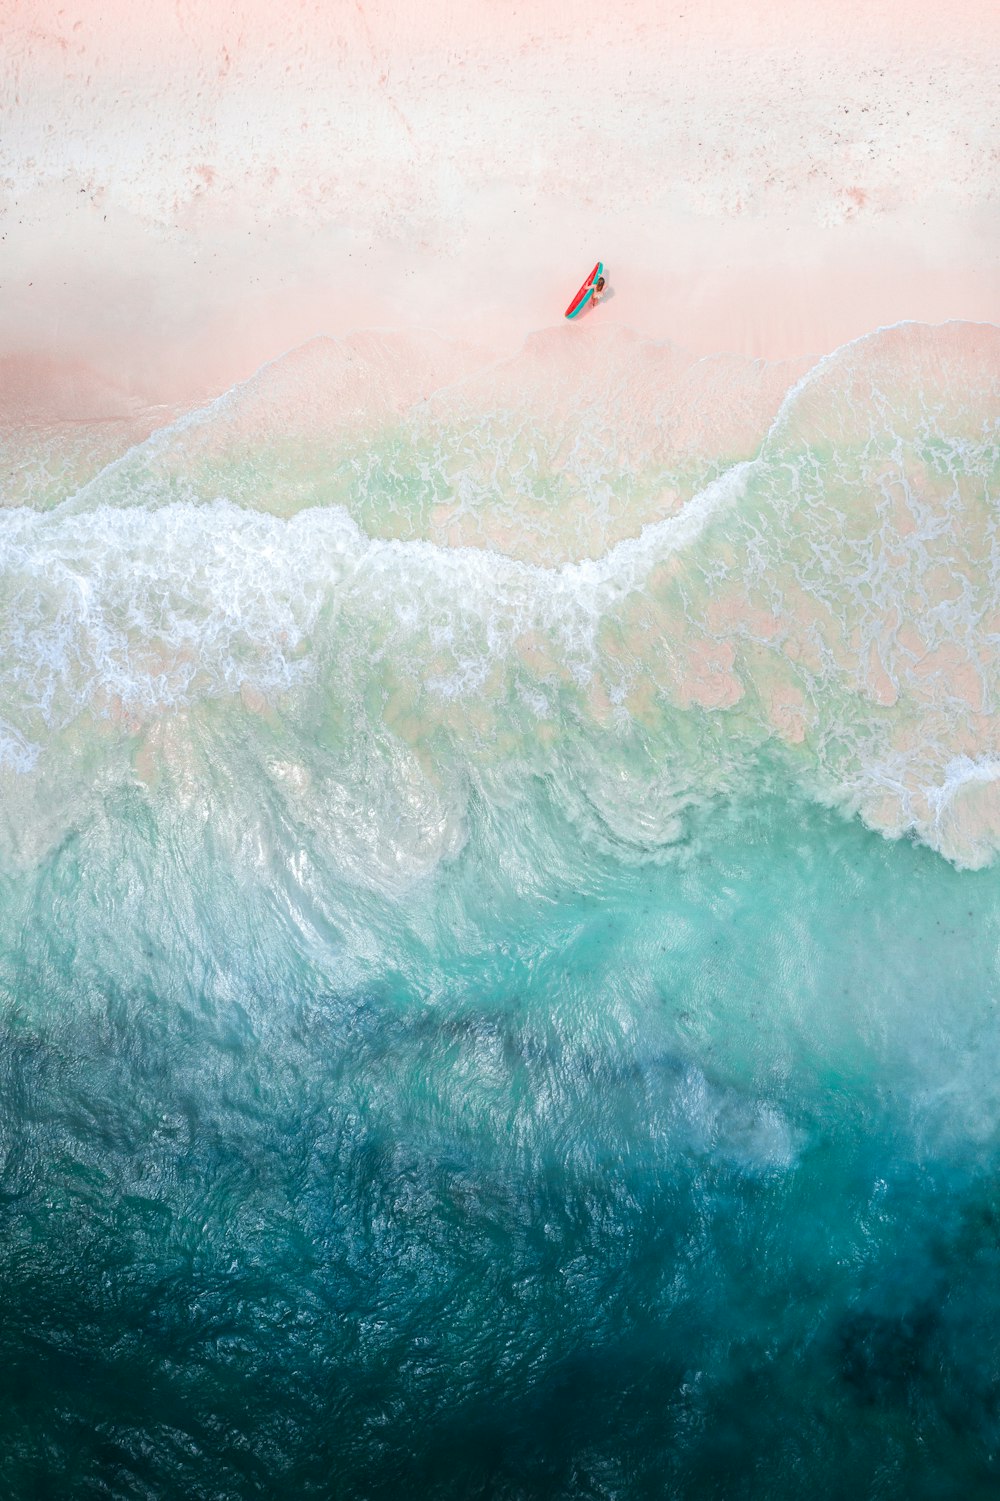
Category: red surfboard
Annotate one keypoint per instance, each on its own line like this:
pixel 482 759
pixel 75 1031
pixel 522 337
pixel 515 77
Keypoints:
pixel 585 293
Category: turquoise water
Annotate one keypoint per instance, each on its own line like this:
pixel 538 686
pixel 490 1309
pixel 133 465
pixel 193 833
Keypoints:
pixel 424 1074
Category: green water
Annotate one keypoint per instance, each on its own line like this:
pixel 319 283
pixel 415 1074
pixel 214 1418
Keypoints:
pixel 517 1020
pixel 670 1179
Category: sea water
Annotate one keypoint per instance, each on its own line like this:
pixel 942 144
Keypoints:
pixel 499 932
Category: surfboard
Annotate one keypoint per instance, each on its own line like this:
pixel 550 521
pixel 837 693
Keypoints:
pixel 586 292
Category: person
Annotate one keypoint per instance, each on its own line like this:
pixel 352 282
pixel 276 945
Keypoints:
pixel 598 289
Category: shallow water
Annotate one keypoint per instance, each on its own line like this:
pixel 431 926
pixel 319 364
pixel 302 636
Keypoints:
pixel 471 1025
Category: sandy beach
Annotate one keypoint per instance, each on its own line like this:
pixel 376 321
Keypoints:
pixel 499 816
pixel 188 192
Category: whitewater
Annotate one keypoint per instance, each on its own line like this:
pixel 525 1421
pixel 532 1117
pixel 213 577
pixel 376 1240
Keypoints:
pixel 499 927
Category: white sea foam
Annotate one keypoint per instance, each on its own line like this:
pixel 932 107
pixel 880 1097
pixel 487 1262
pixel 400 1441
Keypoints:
pixel 836 594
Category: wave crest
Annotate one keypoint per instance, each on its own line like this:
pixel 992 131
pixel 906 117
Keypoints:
pixel 832 595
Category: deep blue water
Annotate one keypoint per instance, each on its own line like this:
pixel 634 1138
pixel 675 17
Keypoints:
pixel 679 1183
pixel 500 934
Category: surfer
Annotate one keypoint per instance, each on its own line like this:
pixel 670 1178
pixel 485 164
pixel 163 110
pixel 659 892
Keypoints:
pixel 590 292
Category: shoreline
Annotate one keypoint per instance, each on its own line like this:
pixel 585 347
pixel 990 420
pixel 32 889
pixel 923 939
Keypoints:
pixel 40 388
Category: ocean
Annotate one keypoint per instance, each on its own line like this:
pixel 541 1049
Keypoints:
pixel 500 929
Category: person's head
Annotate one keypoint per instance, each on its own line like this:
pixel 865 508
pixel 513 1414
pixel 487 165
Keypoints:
pixel 600 283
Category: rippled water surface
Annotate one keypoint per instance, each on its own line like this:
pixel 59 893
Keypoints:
pixel 499 935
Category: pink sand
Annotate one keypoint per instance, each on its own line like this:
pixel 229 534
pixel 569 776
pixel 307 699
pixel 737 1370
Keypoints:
pixel 187 190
